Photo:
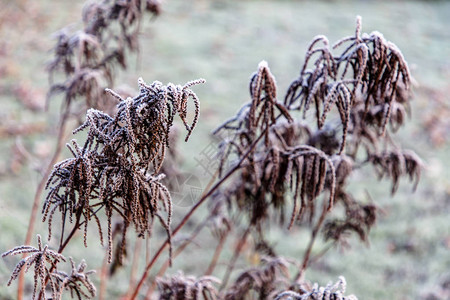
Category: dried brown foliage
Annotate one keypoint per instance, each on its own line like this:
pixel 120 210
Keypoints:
pixel 83 65
pixel 45 263
pixel 117 167
pixel 305 163
pixel 279 160
pixel 181 287
pixel 359 218
pixel 76 281
pixel 368 84
pixel 261 182
pixel 86 58
pixel 395 164
pixel 273 161
pixel 331 291
pixel 261 282
pixel 43 260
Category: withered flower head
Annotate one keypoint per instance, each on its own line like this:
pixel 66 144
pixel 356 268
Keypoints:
pixel 117 166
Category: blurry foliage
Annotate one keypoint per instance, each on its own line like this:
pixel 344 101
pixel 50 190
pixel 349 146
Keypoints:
pixel 436 120
pixel 360 92
pixel 86 58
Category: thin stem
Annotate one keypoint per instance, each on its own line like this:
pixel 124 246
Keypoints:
pixel 181 248
pixel 217 252
pixel 178 251
pixel 237 252
pixel 71 234
pixel 134 264
pixel 37 196
pixel 306 257
pixel 61 249
pixel 103 278
pixel 322 253
pixel 191 212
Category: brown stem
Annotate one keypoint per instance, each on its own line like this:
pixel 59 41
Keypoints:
pixel 61 249
pixel 134 265
pixel 103 278
pixel 321 253
pixel 191 212
pixel 177 252
pixel 147 249
pixel 180 249
pixel 37 195
pixel 237 252
pixel 217 252
pixel 306 257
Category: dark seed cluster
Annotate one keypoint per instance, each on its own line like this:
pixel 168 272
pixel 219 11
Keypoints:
pixel 354 94
pixel 117 167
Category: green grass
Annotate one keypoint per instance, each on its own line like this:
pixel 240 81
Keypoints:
pixel 223 42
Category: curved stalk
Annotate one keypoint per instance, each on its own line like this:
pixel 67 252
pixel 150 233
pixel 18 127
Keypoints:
pixel 237 252
pixel 37 196
pixel 191 212
pixel 306 257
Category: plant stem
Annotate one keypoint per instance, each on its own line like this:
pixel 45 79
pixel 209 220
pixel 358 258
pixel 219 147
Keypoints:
pixel 306 257
pixel 134 264
pixel 37 196
pixel 237 252
pixel 217 252
pixel 61 249
pixel 103 278
pixel 180 249
pixel 191 212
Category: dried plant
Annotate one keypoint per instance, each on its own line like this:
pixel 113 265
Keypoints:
pixel 44 261
pixel 74 281
pixel 87 57
pixel 303 161
pixel 180 287
pixel 261 282
pixel 280 160
pixel 272 161
pixel 370 74
pixel 330 291
pixel 83 65
pixel 359 218
pixel 117 167
pixel 395 164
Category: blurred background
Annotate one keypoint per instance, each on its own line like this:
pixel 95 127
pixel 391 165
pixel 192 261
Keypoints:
pixel 408 256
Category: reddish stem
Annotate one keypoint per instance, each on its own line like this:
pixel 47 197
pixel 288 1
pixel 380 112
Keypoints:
pixel 217 252
pixel 306 257
pixel 103 278
pixel 134 264
pixel 37 196
pixel 178 251
pixel 237 252
pixel 191 212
